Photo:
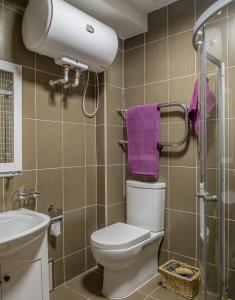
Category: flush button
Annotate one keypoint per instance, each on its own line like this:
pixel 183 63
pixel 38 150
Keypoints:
pixel 90 28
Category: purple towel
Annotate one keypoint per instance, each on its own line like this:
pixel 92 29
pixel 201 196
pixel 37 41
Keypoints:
pixel 193 108
pixel 143 131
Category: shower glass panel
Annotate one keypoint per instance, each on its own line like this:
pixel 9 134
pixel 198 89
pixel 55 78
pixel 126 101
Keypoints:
pixel 211 54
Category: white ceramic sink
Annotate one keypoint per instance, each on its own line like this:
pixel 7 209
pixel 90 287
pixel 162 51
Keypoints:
pixel 20 227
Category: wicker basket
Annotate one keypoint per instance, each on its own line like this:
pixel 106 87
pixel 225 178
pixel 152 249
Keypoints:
pixel 183 286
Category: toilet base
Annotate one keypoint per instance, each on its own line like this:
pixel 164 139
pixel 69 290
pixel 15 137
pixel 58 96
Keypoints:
pixel 123 283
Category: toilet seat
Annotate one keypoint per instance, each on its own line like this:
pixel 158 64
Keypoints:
pixel 119 236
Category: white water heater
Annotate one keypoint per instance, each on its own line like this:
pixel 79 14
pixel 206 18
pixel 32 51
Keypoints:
pixel 59 30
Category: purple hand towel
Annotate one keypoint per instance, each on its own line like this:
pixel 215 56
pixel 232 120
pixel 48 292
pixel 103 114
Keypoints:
pixel 143 132
pixel 193 108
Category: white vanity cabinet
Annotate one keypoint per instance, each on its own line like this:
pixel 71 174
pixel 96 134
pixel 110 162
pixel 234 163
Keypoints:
pixel 24 275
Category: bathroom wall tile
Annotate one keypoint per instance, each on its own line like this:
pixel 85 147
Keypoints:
pixel 29 145
pixel 101 185
pixel 134 96
pixel 181 16
pixel 72 105
pixel 156 61
pixel 1 195
pixel 88 284
pixel 231 9
pixel 157 25
pixel 100 217
pixel 116 213
pixel 48 144
pixel 47 64
pixel 101 109
pixel 91 158
pixel 162 257
pixel 183 259
pixel 90 261
pixel 48 99
pixel 182 196
pixel 182 227
pixel 114 73
pixel 28 93
pixel 12 187
pixel 100 144
pixel 91 185
pixel 115 184
pixel 50 183
pixel 180 90
pixel 1 32
pixel 58 272
pixel 114 102
pixel 134 67
pixel 164 137
pixel 181 55
pixel 231 284
pixel 134 41
pixel 74 219
pixel 114 151
pixel 74 265
pixel 212 148
pixel 120 44
pixel 18 5
pixel 156 92
pixel 184 155
pixel 55 245
pixel 14 49
pixel 231 194
pixel 91 222
pixel 231 42
pixel 90 104
pixel 231 92
pixel 74 188
pixel 74 145
pixel 202 5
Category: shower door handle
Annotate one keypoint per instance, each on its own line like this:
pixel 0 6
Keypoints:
pixel 205 196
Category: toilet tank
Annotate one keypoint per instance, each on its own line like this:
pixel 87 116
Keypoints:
pixel 146 204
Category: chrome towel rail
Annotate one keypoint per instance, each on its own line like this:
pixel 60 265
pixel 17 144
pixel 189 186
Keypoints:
pixel 122 112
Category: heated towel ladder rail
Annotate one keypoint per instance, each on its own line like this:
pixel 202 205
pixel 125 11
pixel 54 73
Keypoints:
pixel 184 108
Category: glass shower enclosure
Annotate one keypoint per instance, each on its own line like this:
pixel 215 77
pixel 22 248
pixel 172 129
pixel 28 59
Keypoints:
pixel 210 43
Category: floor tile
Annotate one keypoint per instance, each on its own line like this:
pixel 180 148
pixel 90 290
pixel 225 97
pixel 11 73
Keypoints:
pixel 163 294
pixel 151 286
pixel 88 284
pixel 63 292
pixel 135 296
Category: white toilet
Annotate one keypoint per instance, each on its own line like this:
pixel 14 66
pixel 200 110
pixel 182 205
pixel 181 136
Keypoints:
pixel 129 252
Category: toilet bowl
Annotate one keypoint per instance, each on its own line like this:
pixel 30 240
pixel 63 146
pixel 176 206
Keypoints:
pixel 129 252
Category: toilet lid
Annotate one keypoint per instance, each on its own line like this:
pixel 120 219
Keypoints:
pixel 119 236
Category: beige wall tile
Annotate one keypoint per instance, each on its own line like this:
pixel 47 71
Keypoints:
pixel 91 185
pixel 90 262
pixel 91 158
pixel 156 61
pixel 134 67
pixel 18 5
pixel 157 25
pixel 47 64
pixel 231 9
pixel 74 188
pixel 231 92
pixel 232 245
pixel 58 272
pixel 100 111
pixel 231 192
pixel 1 32
pixel 1 195
pixel 181 55
pixel 12 186
pixel 182 189
pixel 14 49
pixel 156 92
pixel 114 102
pixel 29 145
pixel 115 184
pixel 48 99
pixel 74 265
pixel 116 213
pixel 114 151
pixel 202 5
pixel 101 185
pixel 100 216
pixel 28 93
pixel 181 16
pixel 74 242
pixel 114 73
pixel 48 144
pixel 90 104
pixel 231 158
pixel 91 222
pixel 73 145
pixel 134 41
pixel 100 144
pixel 134 96
pixel 50 183
pixel 55 245
pixel 182 227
